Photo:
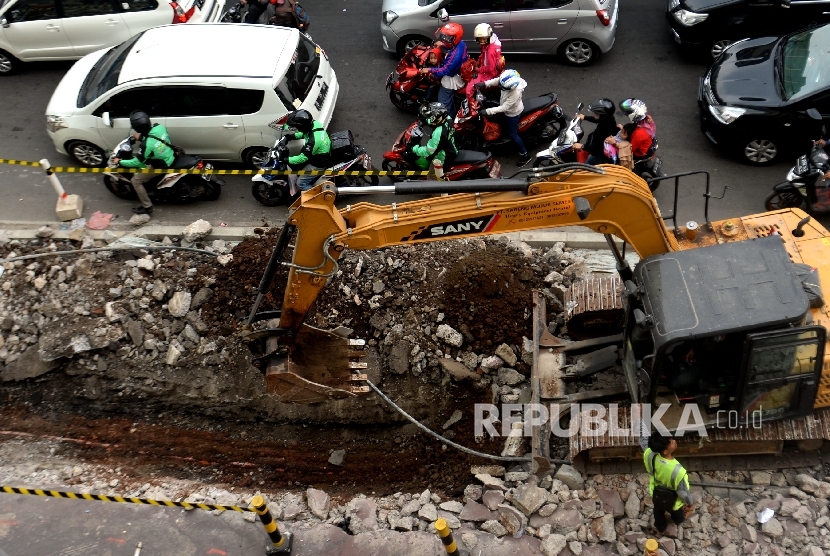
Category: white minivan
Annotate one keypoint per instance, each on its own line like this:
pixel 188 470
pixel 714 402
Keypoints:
pixel 202 82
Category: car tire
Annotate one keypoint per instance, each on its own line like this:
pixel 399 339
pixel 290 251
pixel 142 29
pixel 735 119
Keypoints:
pixel 759 151
pixel 87 154
pixel 579 52
pixel 411 41
pixel 9 65
pixel 717 47
pixel 255 156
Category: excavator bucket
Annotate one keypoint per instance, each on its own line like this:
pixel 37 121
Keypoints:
pixel 313 366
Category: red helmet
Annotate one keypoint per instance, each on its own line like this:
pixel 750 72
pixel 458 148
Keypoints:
pixel 451 33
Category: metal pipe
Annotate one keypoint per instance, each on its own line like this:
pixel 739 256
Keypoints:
pixel 365 190
pixel 467 186
pixel 271 269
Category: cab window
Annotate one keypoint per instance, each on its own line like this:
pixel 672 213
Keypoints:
pixel 213 101
pixel 149 99
pixel 81 8
pixel 32 10
pixel 464 7
pixel 538 4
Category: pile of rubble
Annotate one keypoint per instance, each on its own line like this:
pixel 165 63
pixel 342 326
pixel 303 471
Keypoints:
pixel 563 515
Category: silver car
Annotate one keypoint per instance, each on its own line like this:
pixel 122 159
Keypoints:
pixel 577 30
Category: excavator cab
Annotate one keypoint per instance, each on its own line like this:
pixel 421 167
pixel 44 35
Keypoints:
pixel 726 327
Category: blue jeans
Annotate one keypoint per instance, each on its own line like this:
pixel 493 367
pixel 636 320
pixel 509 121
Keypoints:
pixel 594 160
pixel 306 182
pixel 447 98
pixel 513 132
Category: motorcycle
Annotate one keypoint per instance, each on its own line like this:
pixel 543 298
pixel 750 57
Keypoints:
pixel 541 120
pixel 466 165
pixel 805 182
pixel 650 167
pixel 561 150
pixel 408 88
pixel 233 14
pixel 276 189
pixel 164 188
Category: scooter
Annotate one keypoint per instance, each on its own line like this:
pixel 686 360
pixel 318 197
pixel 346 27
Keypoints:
pixel 164 188
pixel 650 167
pixel 561 150
pixel 233 14
pixel 541 120
pixel 278 189
pixel 805 182
pixel 466 165
pixel 408 88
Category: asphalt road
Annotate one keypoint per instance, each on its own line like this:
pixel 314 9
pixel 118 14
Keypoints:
pixel 644 63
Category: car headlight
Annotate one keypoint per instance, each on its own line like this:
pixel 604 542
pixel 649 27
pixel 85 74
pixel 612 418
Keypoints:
pixel 388 17
pixel 687 18
pixel 54 123
pixel 726 114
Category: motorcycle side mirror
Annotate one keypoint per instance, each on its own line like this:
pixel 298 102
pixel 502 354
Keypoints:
pixel 579 108
pixel 106 119
pixel 443 16
pixel 814 114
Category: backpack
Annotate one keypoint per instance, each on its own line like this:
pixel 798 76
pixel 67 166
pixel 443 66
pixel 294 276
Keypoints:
pixel 297 12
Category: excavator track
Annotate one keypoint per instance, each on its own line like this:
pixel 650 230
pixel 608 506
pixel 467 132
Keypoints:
pixel 594 307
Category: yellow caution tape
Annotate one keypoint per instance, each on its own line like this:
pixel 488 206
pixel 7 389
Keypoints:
pixel 121 499
pixel 81 170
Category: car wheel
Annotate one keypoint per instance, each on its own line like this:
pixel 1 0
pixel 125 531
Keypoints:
pixel 760 151
pixel 255 157
pixel 411 41
pixel 86 154
pixel 718 47
pixel 9 65
pixel 579 52
pixel 778 200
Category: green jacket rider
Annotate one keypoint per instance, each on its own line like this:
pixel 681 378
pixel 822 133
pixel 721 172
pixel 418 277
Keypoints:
pixel 154 151
pixel 316 153
pixel 441 143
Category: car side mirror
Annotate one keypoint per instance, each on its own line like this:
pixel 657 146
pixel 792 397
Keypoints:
pixel 5 23
pixel 443 16
pixel 814 114
pixel 106 118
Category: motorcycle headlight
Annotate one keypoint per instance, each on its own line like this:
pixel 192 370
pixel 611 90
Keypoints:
pixel 687 18
pixel 726 114
pixel 388 17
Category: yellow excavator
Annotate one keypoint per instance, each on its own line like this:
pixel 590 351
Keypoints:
pixel 745 293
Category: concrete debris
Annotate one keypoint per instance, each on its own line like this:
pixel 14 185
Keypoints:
pixel 318 502
pixel 454 418
pixel 179 304
pixel 44 231
pixel 449 335
pixel 139 219
pixel 197 230
pixel 336 457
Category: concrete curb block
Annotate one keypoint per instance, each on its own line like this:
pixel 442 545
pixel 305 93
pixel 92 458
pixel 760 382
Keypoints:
pixel 572 238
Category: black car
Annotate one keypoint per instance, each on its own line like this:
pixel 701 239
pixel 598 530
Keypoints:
pixel 712 25
pixel 768 95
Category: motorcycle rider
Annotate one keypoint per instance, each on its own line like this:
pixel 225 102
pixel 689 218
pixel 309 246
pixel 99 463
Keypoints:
pixel 441 143
pixel 449 37
pixel 642 139
pixel 826 146
pixel 510 104
pixel 316 152
pixel 255 10
pixel 490 61
pixel 154 152
pixel 603 110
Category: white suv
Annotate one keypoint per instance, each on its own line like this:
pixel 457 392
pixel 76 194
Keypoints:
pixel 202 83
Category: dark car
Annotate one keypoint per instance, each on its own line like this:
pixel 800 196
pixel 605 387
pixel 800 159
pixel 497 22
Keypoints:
pixel 712 25
pixel 766 96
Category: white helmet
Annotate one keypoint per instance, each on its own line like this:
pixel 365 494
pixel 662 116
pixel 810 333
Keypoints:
pixel 483 31
pixel 509 79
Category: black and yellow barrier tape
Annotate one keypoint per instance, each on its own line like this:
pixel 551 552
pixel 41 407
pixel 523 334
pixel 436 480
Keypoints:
pixel 121 499
pixel 82 170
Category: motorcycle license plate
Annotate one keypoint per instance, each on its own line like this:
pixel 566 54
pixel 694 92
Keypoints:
pixel 495 171
pixel 801 165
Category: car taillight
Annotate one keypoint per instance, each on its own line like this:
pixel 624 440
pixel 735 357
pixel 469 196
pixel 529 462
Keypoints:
pixel 603 17
pixel 179 15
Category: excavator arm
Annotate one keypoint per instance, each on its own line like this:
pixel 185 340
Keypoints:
pixel 608 199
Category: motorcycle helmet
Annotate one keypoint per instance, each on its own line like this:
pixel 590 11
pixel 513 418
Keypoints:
pixel 433 113
pixel 602 107
pixel 483 31
pixel 301 120
pixel 509 79
pixel 635 109
pixel 140 122
pixel 451 33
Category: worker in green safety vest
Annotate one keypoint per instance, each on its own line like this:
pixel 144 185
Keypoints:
pixel 666 471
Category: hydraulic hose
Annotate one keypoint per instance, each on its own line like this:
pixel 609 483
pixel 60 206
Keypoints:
pixel 447 441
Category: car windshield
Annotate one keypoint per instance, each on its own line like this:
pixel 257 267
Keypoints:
pixel 805 63
pixel 300 76
pixel 104 75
